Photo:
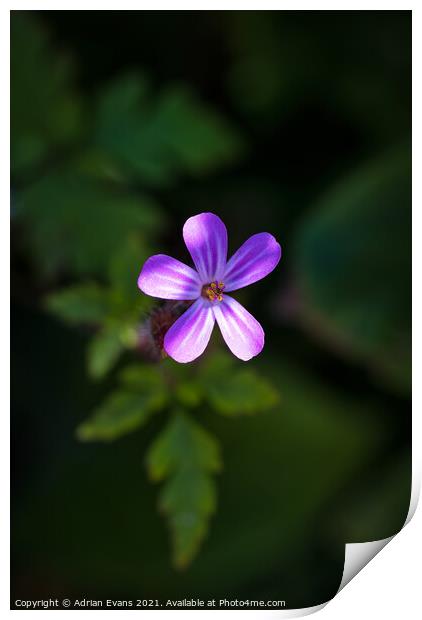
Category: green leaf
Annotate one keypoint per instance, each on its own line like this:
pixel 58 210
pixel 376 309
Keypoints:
pixel 143 391
pixel 104 350
pixel 158 139
pixel 285 461
pixel 86 303
pixel 140 378
pixel 183 444
pixel 186 456
pixel 122 413
pixel 76 222
pixel 354 269
pixel 196 136
pixel 234 392
pixel 46 112
pixel 189 498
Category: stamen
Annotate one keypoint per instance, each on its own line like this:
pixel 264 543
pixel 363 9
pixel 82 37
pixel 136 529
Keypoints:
pixel 213 291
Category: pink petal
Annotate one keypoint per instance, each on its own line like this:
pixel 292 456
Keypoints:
pixel 254 260
pixel 189 335
pixel 243 334
pixel 205 236
pixel 165 277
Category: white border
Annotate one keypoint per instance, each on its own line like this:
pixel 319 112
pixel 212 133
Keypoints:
pixel 390 584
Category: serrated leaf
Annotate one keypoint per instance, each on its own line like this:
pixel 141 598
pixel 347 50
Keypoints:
pixel 143 391
pixel 189 498
pixel 353 265
pixel 157 139
pixel 187 456
pixel 183 443
pixel 122 413
pixel 104 350
pixel 45 111
pixel 189 490
pixel 233 391
pixel 86 303
pixel 241 392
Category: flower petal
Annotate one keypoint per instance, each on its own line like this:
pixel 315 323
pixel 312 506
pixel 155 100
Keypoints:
pixel 189 335
pixel 167 278
pixel 243 334
pixel 254 260
pixel 205 236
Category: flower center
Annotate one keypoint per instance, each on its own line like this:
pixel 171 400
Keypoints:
pixel 213 291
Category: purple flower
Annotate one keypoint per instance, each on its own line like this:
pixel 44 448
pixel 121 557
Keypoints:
pixel 165 277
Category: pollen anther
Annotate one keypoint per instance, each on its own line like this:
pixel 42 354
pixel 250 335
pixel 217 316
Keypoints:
pixel 213 291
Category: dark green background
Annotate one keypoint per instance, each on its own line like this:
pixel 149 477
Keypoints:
pixel 321 102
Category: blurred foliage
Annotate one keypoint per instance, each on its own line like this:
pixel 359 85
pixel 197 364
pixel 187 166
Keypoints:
pixel 280 63
pixel 285 474
pixel 186 455
pixel 83 303
pixel 354 267
pixel 46 113
pixel 109 155
pixel 143 392
pixel 184 452
pixel 90 185
pixel 88 214
pixel 114 309
pixel 64 211
pixel 157 138
pixel 364 518
pixel 234 392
